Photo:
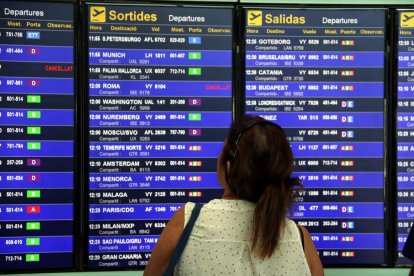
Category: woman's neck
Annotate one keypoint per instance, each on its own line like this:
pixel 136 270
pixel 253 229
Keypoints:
pixel 228 195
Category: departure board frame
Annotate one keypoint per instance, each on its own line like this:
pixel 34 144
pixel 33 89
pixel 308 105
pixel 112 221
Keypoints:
pixel 387 256
pixel 199 38
pixel 75 229
pixel 389 140
pixel 403 133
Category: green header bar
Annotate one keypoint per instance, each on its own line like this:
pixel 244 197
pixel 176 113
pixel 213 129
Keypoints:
pixel 202 1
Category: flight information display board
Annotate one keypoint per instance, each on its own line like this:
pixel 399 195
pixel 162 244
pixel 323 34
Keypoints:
pixel 36 135
pixel 405 129
pixel 160 105
pixel 320 75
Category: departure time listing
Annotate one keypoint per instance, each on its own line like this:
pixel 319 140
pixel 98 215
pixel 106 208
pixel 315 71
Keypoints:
pixel 320 75
pixel 36 135
pixel 160 104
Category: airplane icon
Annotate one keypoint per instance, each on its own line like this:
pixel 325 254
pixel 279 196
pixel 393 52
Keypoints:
pixel 406 18
pixel 97 12
pixel 254 16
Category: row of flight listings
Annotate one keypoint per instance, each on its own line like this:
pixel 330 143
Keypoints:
pixel 159 87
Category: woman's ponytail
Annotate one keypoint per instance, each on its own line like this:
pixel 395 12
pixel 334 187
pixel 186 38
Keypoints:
pixel 260 163
pixel 269 220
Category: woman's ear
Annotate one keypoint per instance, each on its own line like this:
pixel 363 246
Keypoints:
pixel 228 167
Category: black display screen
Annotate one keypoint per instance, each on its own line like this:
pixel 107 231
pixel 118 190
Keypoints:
pixel 160 105
pixel 36 135
pixel 319 73
pixel 405 127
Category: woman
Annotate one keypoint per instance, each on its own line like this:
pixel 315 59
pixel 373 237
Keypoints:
pixel 246 232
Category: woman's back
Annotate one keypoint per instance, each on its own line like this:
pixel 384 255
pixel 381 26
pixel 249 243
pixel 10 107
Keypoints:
pixel 246 232
pixel 220 243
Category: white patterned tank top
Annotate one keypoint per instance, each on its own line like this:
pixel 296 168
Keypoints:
pixel 220 244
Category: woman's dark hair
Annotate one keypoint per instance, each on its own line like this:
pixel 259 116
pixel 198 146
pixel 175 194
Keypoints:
pixel 261 164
